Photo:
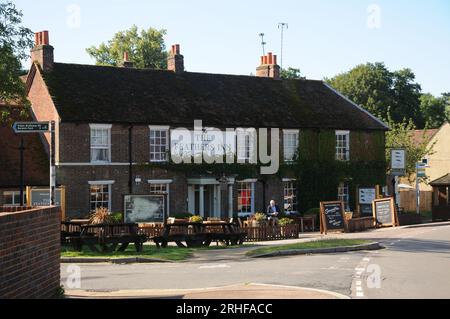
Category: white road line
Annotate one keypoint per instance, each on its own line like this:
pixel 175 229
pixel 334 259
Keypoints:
pixel 366 259
pixel 359 294
pixel 214 266
pixel 359 283
pixel 359 289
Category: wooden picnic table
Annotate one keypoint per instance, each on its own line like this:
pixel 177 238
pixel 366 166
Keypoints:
pixel 199 234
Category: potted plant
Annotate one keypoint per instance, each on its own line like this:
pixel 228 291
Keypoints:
pixel 196 219
pixel 101 216
pixel 259 219
pixel 283 222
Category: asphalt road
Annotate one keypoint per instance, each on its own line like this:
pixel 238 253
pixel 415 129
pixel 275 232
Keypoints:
pixel 415 264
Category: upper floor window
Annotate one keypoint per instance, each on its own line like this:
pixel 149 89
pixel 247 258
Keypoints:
pixel 100 143
pixel 290 144
pixel 159 143
pixel 246 141
pixel 342 145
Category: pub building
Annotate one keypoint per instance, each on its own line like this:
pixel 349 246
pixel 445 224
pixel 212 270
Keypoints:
pixel 114 129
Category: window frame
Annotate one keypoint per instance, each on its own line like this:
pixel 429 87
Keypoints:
pixel 342 153
pixel 249 187
pixel 107 128
pixel 14 194
pixel 296 145
pixel 343 194
pixel 250 140
pixel 101 184
pixel 166 130
pixel 294 203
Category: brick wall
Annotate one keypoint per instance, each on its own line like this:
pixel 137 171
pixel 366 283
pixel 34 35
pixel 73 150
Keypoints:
pixel 30 253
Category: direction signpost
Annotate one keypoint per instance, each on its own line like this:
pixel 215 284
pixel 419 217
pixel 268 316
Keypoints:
pixel 37 127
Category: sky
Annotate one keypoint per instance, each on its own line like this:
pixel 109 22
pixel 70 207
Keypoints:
pixel 324 37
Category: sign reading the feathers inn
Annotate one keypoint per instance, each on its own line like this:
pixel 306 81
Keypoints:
pixel 332 217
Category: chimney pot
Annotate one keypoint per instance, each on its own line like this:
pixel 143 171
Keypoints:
pixel 175 61
pixel 270 61
pixel 42 53
pixel 275 59
pixel 125 56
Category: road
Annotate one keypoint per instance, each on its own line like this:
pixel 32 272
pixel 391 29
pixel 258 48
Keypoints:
pixel 415 264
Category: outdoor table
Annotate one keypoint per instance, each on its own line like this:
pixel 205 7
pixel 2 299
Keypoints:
pixel 308 219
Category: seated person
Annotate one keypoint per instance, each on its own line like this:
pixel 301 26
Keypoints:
pixel 273 211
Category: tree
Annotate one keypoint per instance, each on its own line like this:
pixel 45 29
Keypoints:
pixel 433 110
pixel 291 73
pixel 15 41
pixel 400 136
pixel 146 49
pixel 446 97
pixel 382 92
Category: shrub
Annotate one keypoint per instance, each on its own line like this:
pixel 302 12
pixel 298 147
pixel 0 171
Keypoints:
pixel 101 216
pixel 259 217
pixel 182 216
pixel 196 219
pixel 285 221
pixel 117 217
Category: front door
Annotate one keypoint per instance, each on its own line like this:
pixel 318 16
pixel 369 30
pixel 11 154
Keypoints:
pixel 204 200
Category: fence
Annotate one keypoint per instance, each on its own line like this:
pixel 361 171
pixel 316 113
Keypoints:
pixel 266 232
pixel 408 200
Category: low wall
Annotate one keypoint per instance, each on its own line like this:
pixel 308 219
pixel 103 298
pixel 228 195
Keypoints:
pixel 30 253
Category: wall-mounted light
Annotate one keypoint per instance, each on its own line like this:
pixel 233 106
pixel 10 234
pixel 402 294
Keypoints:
pixel 138 180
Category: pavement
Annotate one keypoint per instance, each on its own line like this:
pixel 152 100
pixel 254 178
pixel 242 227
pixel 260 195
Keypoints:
pixel 414 264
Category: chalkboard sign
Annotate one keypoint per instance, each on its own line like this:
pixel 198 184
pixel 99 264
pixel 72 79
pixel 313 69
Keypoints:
pixel 332 216
pixel 144 209
pixel 384 212
pixel 366 210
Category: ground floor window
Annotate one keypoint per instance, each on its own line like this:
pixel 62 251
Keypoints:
pixel 290 197
pixel 343 195
pixel 100 196
pixel 12 198
pixel 245 197
pixel 159 189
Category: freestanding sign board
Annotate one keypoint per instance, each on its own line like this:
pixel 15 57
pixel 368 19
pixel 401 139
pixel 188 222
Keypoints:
pixel 384 212
pixel 332 217
pixel 398 162
pixel 366 196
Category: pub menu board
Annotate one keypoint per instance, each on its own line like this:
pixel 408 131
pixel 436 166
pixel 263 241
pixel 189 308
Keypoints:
pixel 144 209
pixel 332 216
pixel 366 196
pixel 384 212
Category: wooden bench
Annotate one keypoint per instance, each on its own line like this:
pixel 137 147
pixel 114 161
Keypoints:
pixel 110 236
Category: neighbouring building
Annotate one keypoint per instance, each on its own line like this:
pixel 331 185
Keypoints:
pixel 36 165
pixel 114 129
pixel 438 166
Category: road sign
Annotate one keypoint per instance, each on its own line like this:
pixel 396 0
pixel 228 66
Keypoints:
pixel 31 127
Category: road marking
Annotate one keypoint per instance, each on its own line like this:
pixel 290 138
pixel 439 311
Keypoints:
pixel 359 283
pixel 359 294
pixel 366 259
pixel 214 266
pixel 359 289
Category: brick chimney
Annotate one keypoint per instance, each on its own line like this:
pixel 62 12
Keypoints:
pixel 42 53
pixel 269 67
pixel 126 61
pixel 175 61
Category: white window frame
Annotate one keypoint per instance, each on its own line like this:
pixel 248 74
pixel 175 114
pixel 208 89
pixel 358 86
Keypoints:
pixel 286 184
pixel 249 186
pixel 107 146
pixel 343 152
pixel 344 194
pixel 288 158
pixel 102 183
pixel 246 141
pixel 166 130
pixel 163 182
pixel 14 194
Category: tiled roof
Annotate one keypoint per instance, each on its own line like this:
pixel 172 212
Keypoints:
pixel 443 181
pixel 98 94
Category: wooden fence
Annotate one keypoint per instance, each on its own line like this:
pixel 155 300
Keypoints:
pixel 408 200
pixel 266 232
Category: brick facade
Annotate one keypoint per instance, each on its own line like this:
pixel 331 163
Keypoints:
pixel 30 253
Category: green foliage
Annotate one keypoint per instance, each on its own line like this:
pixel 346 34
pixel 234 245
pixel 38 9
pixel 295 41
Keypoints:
pixel 146 49
pixel 434 109
pixel 117 217
pixel 196 219
pixel 259 217
pixel 382 92
pixel 291 73
pixel 285 221
pixel 400 136
pixel 15 41
pixel 183 216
